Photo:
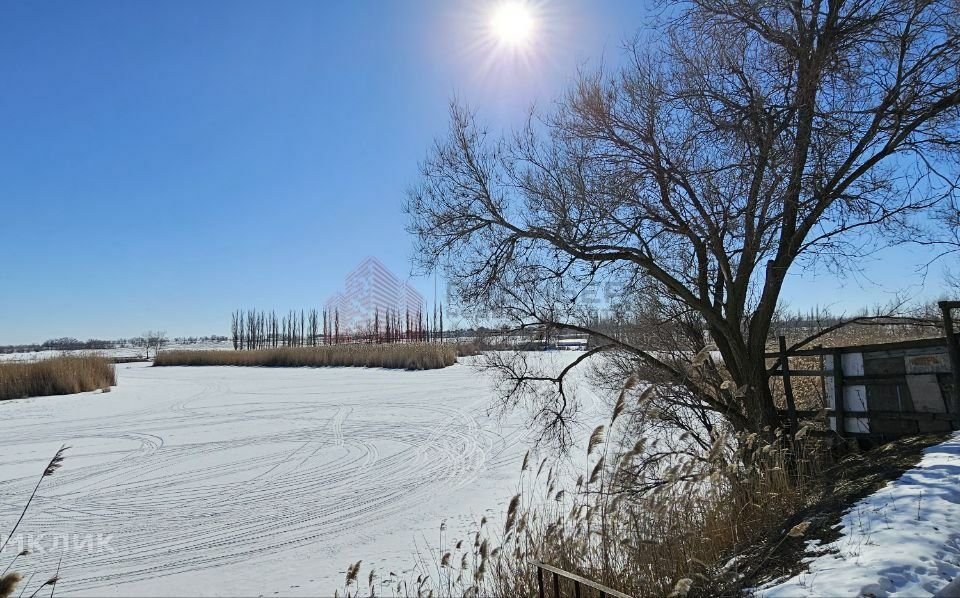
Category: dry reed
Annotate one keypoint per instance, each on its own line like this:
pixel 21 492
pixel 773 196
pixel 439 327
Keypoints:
pixel 56 376
pixel 8 583
pixel 10 579
pixel 700 529
pixel 408 356
pixel 695 533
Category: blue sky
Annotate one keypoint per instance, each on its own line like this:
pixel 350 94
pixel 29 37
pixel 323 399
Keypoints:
pixel 162 163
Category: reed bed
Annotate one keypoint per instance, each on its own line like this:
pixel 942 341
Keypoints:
pixel 405 356
pixel 696 535
pixel 695 527
pixel 62 375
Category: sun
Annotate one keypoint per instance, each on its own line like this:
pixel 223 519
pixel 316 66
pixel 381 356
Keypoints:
pixel 512 23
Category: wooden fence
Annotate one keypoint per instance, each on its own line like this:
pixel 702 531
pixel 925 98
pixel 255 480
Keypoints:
pixel 579 587
pixel 883 390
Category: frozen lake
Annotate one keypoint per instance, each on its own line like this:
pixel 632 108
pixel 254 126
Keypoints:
pixel 248 481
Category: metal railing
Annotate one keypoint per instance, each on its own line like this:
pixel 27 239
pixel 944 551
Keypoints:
pixel 579 583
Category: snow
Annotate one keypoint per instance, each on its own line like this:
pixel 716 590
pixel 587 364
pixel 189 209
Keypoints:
pixel 247 481
pixel 901 541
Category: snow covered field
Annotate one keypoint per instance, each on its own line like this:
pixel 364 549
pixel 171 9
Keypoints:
pixel 904 540
pixel 247 481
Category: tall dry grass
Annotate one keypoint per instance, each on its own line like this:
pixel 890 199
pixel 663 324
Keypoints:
pixel 62 375
pixel 9 580
pixel 694 524
pixel 406 356
pixel 699 533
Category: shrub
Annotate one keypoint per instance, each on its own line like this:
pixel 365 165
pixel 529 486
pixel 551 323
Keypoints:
pixel 56 376
pixel 408 356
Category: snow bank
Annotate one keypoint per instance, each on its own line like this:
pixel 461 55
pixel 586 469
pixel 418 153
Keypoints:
pixel 904 540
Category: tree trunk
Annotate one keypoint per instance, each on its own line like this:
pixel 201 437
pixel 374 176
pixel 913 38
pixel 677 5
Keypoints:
pixel 747 367
pixel 761 411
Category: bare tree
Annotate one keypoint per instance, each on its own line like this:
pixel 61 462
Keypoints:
pixel 314 327
pixel 952 280
pixel 746 138
pixel 950 223
pixel 160 341
pixel 156 339
pixel 235 330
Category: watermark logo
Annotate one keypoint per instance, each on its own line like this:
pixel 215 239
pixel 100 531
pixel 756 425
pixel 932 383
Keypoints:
pixel 372 291
pixel 59 543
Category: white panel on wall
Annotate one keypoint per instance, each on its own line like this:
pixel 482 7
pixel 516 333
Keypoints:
pixel 855 398
pixel 852 364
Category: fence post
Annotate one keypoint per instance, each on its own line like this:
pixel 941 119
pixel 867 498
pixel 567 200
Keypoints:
pixel 823 377
pixel 838 407
pixel 788 386
pixel 954 350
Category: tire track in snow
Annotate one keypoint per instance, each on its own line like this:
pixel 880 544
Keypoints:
pixel 222 466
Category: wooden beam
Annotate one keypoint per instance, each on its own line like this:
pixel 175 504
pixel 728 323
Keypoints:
pixel 838 405
pixel 809 373
pixel 887 415
pixel 583 580
pixel 884 414
pixel 805 413
pixel 913 344
pixel 823 375
pixel 788 385
pixel 953 346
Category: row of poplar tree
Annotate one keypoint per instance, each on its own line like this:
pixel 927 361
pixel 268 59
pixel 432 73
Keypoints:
pixel 259 329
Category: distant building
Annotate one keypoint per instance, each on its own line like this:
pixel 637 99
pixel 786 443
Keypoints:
pixel 371 289
pixel 339 305
pixel 411 300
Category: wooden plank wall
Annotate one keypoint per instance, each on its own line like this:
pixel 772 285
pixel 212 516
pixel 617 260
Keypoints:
pixel 894 392
pixel 887 390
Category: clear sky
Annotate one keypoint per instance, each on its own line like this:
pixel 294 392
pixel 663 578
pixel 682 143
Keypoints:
pixel 162 163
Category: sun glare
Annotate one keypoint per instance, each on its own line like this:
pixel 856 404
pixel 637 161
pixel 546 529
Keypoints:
pixel 512 23
pixel 508 42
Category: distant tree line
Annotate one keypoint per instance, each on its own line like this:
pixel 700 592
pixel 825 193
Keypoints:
pixel 260 329
pixel 193 340
pixel 882 323
pixel 72 344
pixel 60 344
